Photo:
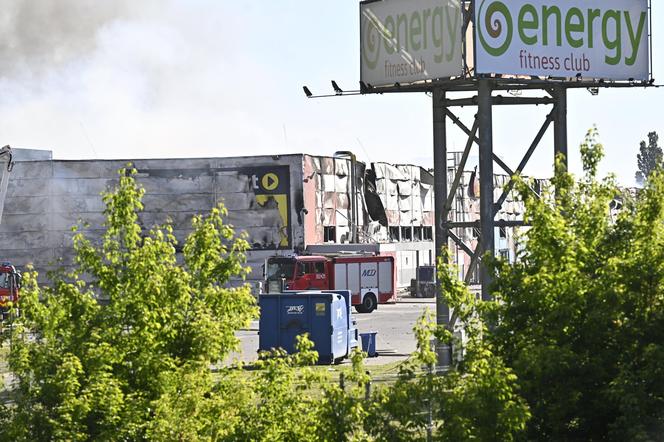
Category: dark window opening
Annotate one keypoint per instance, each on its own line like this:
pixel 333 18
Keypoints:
pixel 394 234
pixel 406 234
pixel 427 233
pixel 329 234
pixel 417 233
pixel 503 232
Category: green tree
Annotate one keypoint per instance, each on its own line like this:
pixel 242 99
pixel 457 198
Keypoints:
pixel 273 402
pixel 475 399
pixel 344 411
pixel 580 316
pixel 649 158
pixel 283 403
pixel 90 372
pixel 138 366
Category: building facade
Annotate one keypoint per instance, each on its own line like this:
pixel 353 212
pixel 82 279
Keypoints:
pixel 284 203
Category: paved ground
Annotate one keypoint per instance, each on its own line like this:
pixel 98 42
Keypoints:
pixel 392 322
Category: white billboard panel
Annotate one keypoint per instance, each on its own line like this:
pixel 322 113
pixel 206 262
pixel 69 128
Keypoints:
pixel 406 41
pixel 563 38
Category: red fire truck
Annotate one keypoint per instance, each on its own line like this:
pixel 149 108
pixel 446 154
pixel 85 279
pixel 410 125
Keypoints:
pixel 370 278
pixel 10 282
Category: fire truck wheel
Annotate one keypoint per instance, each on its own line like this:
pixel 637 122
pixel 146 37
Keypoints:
pixel 369 303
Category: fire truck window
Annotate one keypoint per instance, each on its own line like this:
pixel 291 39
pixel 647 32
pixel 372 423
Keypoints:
pixel 277 269
pixel 319 267
pixel 4 280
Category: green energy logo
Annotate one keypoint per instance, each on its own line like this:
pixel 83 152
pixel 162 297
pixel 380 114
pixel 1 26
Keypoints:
pixel 551 25
pixel 495 28
pixel 426 29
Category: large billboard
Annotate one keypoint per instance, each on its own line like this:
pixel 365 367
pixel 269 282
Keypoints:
pixel 407 41
pixel 603 39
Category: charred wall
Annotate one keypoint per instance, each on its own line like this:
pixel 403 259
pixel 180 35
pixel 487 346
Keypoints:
pixel 263 196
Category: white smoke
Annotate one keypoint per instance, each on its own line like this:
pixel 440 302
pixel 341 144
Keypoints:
pixel 121 78
pixel 185 78
pixel 38 36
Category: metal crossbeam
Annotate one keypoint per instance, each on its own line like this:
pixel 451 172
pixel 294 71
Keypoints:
pixel 460 242
pixel 459 172
pixel 503 84
pixel 502 164
pixel 473 261
pixel 468 132
pixel 500 100
pixel 524 162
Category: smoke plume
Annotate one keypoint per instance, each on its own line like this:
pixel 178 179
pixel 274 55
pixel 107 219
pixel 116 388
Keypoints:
pixel 40 35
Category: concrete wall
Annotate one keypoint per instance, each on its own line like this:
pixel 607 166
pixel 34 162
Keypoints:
pixel 45 198
pixel 31 155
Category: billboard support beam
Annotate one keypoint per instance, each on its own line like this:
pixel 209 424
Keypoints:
pixel 483 122
pixel 460 243
pixel 472 101
pixel 443 350
pixel 474 259
pixel 560 123
pixel 485 116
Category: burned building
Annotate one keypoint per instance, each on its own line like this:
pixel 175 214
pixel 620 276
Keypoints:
pixel 284 204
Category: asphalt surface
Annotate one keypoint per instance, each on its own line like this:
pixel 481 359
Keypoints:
pixel 393 324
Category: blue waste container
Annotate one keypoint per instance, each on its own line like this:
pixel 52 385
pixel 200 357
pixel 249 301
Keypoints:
pixel 369 343
pixel 325 315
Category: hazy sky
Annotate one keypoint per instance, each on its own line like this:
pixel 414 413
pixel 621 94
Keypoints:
pixel 196 78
